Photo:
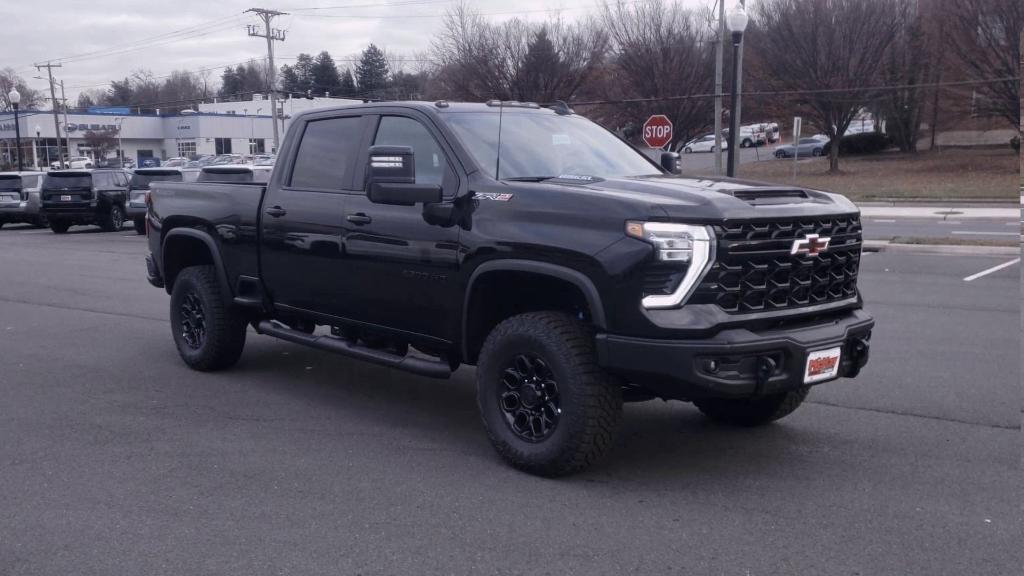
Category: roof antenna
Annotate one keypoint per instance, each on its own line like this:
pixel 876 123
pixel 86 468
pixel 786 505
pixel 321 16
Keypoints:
pixel 497 161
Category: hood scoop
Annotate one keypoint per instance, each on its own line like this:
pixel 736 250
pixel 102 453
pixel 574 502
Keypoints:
pixel 770 196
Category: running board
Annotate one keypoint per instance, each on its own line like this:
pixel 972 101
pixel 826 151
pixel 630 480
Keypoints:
pixel 421 366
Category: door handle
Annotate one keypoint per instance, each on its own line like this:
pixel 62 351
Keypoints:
pixel 359 218
pixel 276 211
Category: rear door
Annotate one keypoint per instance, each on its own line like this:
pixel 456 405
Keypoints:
pixel 302 258
pixel 403 269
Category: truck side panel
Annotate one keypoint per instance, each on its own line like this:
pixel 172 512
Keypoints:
pixel 227 213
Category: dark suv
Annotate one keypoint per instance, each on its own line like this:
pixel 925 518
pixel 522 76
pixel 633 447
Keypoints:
pixel 77 197
pixel 138 187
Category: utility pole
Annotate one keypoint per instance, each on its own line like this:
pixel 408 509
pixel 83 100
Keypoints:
pixel 53 100
pixel 737 104
pixel 718 87
pixel 67 134
pixel 271 34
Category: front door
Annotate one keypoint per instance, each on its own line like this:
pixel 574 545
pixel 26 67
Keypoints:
pixel 302 256
pixel 403 269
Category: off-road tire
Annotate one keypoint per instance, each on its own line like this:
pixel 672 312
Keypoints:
pixel 113 219
pixel 590 399
pixel 140 226
pixel 224 327
pixel 754 411
pixel 59 227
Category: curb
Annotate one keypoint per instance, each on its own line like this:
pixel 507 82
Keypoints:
pixel 948 249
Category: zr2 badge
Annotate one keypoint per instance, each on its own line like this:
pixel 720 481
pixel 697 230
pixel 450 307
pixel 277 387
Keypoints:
pixel 499 197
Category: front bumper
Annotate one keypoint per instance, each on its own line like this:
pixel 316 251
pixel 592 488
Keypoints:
pixel 747 363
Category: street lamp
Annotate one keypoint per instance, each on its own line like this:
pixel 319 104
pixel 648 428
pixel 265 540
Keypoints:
pixel 736 20
pixel 15 97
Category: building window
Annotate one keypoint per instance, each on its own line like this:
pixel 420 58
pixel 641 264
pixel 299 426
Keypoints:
pixel 186 149
pixel 222 145
pixel 257 146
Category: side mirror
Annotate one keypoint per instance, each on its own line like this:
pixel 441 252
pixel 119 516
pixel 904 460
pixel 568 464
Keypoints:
pixel 391 178
pixel 670 162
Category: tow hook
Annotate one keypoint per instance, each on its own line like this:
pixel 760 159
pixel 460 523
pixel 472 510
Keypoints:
pixel 765 368
pixel 861 349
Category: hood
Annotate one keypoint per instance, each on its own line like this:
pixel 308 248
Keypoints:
pixel 716 199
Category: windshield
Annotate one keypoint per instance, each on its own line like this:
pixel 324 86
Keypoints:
pixel 142 180
pixel 536 145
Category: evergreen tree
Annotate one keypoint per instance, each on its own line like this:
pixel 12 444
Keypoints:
pixel 289 80
pixel 348 84
pixel 230 83
pixel 304 73
pixel 372 71
pixel 325 75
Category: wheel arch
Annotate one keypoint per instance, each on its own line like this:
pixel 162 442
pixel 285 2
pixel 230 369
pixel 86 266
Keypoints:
pixel 184 247
pixel 568 282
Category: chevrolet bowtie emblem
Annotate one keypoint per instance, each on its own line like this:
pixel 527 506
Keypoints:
pixel 812 245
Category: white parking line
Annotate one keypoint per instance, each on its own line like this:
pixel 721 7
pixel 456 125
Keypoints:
pixel 973 233
pixel 879 221
pixel 954 222
pixel 992 269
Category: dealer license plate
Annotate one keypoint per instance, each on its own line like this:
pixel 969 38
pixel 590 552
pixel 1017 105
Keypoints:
pixel 65 198
pixel 822 365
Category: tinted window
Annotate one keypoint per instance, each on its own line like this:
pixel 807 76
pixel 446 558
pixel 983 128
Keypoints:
pixel 56 182
pixel 326 153
pixel 101 180
pixel 141 181
pixel 808 141
pixel 225 176
pixel 29 182
pixel 399 131
pixel 10 183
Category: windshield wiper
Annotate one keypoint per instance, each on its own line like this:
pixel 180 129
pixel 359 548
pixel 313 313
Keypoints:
pixel 529 178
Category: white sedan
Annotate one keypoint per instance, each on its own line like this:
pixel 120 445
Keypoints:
pixel 703 144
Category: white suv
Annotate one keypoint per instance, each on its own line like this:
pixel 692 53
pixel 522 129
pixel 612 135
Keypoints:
pixel 74 163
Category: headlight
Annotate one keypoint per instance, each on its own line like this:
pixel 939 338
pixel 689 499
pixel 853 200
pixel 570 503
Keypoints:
pixel 685 244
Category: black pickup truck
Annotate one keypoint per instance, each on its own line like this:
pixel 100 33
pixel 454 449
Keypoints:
pixel 570 269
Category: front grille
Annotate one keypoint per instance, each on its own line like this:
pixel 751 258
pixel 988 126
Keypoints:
pixel 754 270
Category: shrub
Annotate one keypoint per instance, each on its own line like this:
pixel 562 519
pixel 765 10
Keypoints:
pixel 863 143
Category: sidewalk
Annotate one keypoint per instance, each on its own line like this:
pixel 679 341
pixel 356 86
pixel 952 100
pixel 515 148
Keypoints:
pixel 941 212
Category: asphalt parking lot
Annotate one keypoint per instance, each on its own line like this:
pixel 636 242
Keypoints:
pixel 116 459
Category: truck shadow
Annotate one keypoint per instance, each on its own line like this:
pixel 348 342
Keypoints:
pixel 666 440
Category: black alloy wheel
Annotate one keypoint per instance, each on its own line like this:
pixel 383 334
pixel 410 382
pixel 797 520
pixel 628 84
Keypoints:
pixel 193 321
pixel 529 399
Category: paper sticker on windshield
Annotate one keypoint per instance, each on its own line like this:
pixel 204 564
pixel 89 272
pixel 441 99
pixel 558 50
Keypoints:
pixel 500 197
pixel 560 140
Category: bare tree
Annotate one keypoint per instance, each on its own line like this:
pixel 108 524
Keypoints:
pixel 519 60
pixel 826 53
pixel 985 35
pixel 659 51
pixel 910 63
pixel 30 98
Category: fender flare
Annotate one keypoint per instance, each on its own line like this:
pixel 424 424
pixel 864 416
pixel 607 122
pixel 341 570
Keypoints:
pixel 574 277
pixel 218 262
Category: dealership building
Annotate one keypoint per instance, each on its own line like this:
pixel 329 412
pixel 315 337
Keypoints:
pixel 214 128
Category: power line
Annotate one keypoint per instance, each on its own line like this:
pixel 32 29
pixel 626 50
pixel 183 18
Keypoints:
pixel 800 92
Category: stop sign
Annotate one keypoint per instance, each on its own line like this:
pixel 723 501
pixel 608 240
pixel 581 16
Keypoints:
pixel 657 131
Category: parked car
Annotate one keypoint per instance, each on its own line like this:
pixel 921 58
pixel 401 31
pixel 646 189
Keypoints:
pixel 75 162
pixel 703 144
pixel 750 136
pixel 176 162
pixel 573 271
pixel 138 187
pixel 807 147
pixel 80 197
pixel 236 173
pixel 19 198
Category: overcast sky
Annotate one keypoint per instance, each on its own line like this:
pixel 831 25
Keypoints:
pixel 101 40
